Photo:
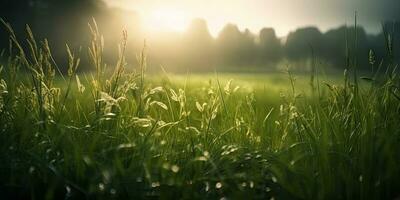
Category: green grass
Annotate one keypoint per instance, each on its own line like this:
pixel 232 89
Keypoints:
pixel 125 135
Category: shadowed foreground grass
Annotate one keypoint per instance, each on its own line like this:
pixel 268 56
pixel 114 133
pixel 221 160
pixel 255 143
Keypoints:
pixel 121 135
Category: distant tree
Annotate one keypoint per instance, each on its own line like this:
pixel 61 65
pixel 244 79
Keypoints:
pixel 59 21
pixel 335 46
pixel 236 47
pixel 198 45
pixel 299 43
pixel 49 16
pixel 270 46
pixel 66 21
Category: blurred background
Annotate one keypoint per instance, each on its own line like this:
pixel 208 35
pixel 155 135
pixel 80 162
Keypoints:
pixel 203 36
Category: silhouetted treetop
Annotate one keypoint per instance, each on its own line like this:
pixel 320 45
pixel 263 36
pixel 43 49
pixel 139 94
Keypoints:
pixel 66 21
pixel 270 45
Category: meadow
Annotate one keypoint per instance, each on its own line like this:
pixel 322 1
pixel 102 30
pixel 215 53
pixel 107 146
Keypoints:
pixel 119 133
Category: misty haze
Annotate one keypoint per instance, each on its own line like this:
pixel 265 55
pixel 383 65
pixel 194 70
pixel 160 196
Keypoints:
pixel 199 99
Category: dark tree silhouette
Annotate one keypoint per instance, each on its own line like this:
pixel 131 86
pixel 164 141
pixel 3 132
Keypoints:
pixel 198 46
pixel 335 45
pixel 235 47
pixel 299 43
pixel 66 21
pixel 270 46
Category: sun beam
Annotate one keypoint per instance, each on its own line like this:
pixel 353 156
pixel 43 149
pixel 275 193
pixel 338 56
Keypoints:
pixel 166 19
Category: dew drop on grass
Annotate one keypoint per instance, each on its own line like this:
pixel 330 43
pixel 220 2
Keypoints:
pixel 166 166
pixel 87 160
pixel 207 187
pixel 113 191
pixel 218 185
pixel 126 146
pixel 68 189
pixel 201 158
pixel 292 162
pixel 106 176
pixel 175 168
pixel 31 169
pixel 155 184
pixel 101 186
pixel 48 151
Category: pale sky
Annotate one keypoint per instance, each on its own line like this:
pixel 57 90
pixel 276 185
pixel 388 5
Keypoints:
pixel 282 15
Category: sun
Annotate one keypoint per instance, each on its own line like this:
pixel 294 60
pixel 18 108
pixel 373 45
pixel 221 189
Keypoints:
pixel 166 19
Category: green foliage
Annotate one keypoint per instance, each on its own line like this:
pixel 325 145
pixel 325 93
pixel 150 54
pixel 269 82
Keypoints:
pixel 119 134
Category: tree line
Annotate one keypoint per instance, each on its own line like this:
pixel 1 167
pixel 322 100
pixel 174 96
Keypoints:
pixel 63 22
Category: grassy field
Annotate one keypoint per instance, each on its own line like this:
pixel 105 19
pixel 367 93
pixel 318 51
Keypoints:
pixel 126 135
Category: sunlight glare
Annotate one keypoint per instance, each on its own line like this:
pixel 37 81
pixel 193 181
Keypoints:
pixel 166 19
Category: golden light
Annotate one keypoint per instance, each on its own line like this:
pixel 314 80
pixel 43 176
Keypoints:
pixel 165 19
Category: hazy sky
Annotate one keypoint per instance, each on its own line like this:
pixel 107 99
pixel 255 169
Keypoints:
pixel 283 15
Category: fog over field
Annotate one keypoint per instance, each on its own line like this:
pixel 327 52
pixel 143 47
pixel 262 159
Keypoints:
pixel 283 15
pixel 202 36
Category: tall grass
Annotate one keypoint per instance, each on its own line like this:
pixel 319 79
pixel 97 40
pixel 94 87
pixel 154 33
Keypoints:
pixel 114 134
